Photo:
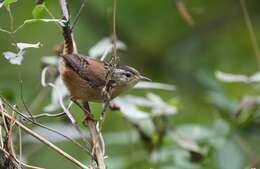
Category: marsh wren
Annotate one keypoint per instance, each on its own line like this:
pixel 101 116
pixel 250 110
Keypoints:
pixel 85 78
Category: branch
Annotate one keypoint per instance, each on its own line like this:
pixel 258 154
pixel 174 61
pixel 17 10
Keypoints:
pixel 43 140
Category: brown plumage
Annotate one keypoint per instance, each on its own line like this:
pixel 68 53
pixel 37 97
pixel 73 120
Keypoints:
pixel 85 77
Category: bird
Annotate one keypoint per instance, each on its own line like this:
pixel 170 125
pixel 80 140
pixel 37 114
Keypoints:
pixel 85 78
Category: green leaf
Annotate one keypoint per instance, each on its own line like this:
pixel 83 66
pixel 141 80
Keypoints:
pixel 8 2
pixel 38 10
pixel 230 156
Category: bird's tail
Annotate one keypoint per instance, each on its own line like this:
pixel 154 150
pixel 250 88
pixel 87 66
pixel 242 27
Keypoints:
pixel 69 42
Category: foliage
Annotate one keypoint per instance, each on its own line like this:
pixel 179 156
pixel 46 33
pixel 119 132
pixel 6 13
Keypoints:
pixel 208 119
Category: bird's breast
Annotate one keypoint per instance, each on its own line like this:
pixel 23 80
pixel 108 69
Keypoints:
pixel 78 87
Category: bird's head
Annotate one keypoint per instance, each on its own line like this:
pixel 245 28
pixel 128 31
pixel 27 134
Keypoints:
pixel 127 76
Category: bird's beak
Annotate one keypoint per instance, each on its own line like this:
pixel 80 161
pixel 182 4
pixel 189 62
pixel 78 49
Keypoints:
pixel 145 78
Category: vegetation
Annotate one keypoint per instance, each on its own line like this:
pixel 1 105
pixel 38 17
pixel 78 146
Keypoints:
pixel 201 110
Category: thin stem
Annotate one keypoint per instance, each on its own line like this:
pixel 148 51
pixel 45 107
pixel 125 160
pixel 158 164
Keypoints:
pixel 21 94
pixel 41 125
pixel 20 145
pixel 251 31
pixel 10 17
pixel 42 94
pixel 45 141
pixel 114 51
pixel 96 137
pixel 51 15
pixel 78 14
pixel 5 31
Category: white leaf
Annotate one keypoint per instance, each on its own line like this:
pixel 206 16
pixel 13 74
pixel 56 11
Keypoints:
pixel 159 107
pixel 105 45
pixel 228 77
pixel 139 101
pixel 14 58
pixel 154 85
pixel 129 110
pixel 1 4
pixel 155 99
pixel 22 46
pixel 255 77
pixel 50 60
pixel 195 132
pixel 55 96
pixel 129 104
pixel 9 55
pixel 185 141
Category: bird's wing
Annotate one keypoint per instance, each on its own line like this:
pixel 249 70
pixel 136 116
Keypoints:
pixel 90 70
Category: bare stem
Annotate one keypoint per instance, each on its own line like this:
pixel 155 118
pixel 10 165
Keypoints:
pixel 251 31
pixel 96 136
pixel 114 52
pixel 45 141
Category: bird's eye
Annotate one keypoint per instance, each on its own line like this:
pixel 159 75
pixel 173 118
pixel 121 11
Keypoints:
pixel 128 74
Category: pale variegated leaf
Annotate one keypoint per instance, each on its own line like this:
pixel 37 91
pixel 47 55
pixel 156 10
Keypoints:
pixel 255 77
pixel 14 58
pixel 185 142
pixel 228 77
pixel 195 132
pixel 50 60
pixel 105 45
pixel 23 46
pixel 129 110
pixel 159 107
pixel 154 85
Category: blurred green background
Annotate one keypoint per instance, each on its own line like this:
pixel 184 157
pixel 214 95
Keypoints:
pixel 161 45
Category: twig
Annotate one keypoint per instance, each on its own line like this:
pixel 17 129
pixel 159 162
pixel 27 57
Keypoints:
pixel 78 14
pixel 42 94
pixel 17 161
pixel 20 145
pixel 114 51
pixel 11 17
pixel 45 141
pixel 184 12
pixel 21 95
pixel 10 138
pixel 45 84
pixel 1 137
pixel 114 61
pixel 41 125
pixel 250 31
pixel 5 31
pixel 96 136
